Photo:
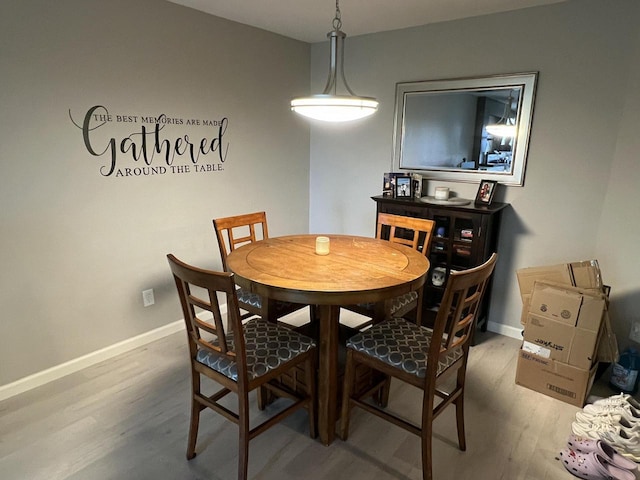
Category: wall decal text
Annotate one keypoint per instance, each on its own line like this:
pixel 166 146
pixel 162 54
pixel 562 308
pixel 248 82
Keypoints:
pixel 151 149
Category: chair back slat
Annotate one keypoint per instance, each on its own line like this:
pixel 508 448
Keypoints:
pixel 458 311
pixel 410 231
pixel 210 335
pixel 233 232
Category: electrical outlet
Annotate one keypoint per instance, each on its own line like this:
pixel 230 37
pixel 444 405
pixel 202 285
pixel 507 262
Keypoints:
pixel 147 297
pixel 635 331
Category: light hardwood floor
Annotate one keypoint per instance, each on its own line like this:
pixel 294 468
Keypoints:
pixel 127 418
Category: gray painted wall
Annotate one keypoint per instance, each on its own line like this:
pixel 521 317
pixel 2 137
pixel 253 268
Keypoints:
pixel 581 190
pixel 78 248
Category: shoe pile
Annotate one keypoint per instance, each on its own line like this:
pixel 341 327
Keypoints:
pixel 595 460
pixel 614 420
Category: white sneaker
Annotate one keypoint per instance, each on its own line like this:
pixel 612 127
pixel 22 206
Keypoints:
pixel 625 409
pixel 593 430
pixel 620 418
pixel 629 447
pixel 622 399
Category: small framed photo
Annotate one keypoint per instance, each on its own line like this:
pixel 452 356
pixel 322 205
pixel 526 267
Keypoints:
pixel 388 185
pixel 404 187
pixel 418 185
pixel 486 190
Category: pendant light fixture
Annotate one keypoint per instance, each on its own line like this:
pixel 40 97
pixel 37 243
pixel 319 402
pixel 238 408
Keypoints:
pixel 329 106
pixel 505 127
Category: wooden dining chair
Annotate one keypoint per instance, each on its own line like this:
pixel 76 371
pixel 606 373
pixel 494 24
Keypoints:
pixel 233 232
pixel 421 357
pixel 241 357
pixel 409 231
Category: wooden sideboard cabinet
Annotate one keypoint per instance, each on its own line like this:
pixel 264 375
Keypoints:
pixel 465 236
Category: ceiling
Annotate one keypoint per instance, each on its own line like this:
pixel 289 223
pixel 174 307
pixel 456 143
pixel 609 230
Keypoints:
pixel 310 20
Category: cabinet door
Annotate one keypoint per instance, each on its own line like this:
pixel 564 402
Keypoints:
pixel 440 254
pixel 456 245
pixel 465 241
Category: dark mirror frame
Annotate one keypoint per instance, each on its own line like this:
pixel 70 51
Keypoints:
pixel 476 168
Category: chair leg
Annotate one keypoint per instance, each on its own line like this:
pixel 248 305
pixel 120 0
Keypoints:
pixel 243 437
pixel 459 402
pixel 460 422
pixel 380 311
pixel 427 433
pixel 314 319
pixel 263 397
pixel 427 455
pixel 383 393
pixel 196 408
pixel 349 375
pixel 311 391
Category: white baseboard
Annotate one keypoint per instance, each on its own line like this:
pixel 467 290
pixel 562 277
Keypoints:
pixel 505 330
pixel 77 364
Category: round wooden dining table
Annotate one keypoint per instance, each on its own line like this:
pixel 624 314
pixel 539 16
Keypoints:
pixel 356 270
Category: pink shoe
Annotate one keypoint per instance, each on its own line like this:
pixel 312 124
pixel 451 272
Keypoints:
pixel 584 445
pixel 592 466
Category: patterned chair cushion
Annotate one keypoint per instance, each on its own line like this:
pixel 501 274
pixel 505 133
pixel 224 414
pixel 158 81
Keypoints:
pixel 267 346
pixel 249 298
pixel 397 304
pixel 401 344
pixel 255 300
pixel 402 301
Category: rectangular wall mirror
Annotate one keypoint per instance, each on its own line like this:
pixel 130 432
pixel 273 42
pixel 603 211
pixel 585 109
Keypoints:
pixel 465 129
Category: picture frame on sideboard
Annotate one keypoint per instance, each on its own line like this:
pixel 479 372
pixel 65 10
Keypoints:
pixel 404 186
pixel 486 191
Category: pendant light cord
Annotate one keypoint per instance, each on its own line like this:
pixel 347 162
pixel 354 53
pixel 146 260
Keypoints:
pixel 336 58
pixel 337 20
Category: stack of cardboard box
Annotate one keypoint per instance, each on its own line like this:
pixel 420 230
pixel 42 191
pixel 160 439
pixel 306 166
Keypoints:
pixel 567 330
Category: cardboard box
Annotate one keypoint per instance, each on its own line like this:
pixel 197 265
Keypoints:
pixel 567 329
pixel 555 379
pixel 585 274
pixel 608 347
pixel 558 341
pixel 564 323
pixel 573 306
pixel 527 277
